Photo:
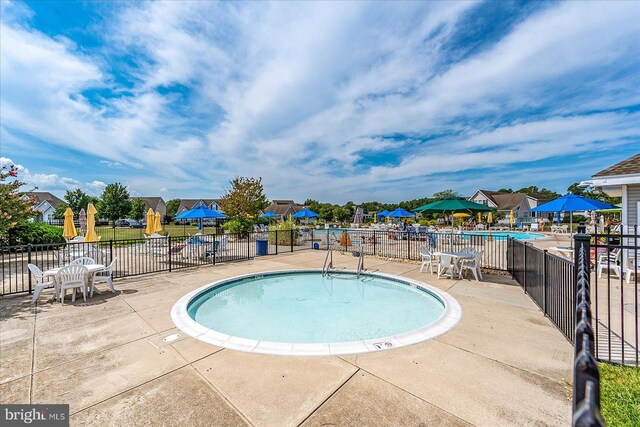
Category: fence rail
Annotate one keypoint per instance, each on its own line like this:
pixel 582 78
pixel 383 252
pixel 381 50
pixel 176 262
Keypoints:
pixel 144 255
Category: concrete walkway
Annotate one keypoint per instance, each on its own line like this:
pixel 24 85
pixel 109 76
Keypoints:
pixel 504 364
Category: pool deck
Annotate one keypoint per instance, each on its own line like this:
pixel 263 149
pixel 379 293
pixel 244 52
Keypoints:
pixel 503 364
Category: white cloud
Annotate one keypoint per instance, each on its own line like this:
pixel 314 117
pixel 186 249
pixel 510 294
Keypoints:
pixel 299 93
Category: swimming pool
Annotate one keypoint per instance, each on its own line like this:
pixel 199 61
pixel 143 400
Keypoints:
pixel 504 235
pixel 302 312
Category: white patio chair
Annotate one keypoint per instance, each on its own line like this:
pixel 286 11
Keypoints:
pixel 72 277
pixel 446 262
pixel 41 283
pixel 104 276
pixel 427 258
pixel 610 262
pixel 473 265
pixel 85 260
pixel 223 244
pixel 468 250
pixel 564 229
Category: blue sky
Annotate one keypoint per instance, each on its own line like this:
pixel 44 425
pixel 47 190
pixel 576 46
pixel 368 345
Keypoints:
pixel 335 101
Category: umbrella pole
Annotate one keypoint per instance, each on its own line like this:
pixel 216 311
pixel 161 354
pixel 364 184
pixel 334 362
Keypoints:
pixel 571 228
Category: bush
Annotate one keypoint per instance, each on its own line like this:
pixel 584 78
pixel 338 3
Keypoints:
pixel 34 233
pixel 240 226
pixel 284 233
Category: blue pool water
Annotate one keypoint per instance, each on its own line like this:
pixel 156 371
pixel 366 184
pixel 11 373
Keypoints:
pixel 308 308
pixel 495 235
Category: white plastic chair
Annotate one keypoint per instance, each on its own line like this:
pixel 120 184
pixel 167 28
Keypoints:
pixel 427 258
pixel 473 265
pixel 71 277
pixel 104 276
pixel 609 261
pixel 85 260
pixel 40 283
pixel 446 262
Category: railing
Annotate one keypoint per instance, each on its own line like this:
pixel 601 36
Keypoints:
pixel 548 280
pixel 586 379
pixel 148 255
pixel 145 255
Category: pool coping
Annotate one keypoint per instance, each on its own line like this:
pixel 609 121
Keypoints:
pixel 448 319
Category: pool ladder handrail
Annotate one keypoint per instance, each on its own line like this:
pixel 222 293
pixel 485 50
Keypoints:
pixel 328 261
pixel 360 260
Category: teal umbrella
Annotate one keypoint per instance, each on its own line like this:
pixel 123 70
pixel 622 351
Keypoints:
pixel 451 206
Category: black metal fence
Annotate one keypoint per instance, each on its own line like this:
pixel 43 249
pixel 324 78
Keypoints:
pixel 135 256
pixel 586 378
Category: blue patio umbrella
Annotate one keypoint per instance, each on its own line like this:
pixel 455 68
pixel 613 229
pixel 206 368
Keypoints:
pixel 269 215
pixel 401 213
pixel 572 203
pixel 199 213
pixel 383 214
pixel 305 213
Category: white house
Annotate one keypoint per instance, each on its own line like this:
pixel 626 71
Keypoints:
pixel 45 205
pixel 520 203
pixel 622 180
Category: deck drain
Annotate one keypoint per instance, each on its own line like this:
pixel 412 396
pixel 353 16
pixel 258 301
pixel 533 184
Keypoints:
pixel 381 345
pixel 171 338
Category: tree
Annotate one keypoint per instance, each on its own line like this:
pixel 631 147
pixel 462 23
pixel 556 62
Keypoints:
pixel 137 209
pixel 245 198
pixel 15 206
pixel 78 199
pixel 342 213
pixel 114 202
pixel 533 190
pixel 587 192
pixel 60 210
pixel 172 207
pixel 505 190
pixel 446 194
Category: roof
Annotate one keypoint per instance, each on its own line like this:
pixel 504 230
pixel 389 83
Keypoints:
pixel 629 166
pixel 283 207
pixel 188 204
pixel 150 202
pixel 44 196
pixel 508 201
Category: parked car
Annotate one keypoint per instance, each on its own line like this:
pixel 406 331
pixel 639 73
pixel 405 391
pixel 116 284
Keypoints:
pixel 121 223
pixel 136 224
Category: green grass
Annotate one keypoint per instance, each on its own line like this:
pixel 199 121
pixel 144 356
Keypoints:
pixel 109 233
pixel 620 395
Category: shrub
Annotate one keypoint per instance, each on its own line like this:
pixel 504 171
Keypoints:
pixel 239 226
pixel 34 233
pixel 284 233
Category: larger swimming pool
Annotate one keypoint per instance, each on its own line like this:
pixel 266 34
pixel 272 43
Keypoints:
pixel 306 312
pixel 495 235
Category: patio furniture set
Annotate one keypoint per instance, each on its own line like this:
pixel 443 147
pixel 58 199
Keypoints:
pixel 81 274
pixel 452 263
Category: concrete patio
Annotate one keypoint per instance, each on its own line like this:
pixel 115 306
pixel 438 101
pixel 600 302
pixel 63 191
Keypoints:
pixel 504 364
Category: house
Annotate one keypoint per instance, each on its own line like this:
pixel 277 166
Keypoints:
pixel 284 208
pixel 156 203
pixel 45 204
pixel 520 203
pixel 188 204
pixel 622 180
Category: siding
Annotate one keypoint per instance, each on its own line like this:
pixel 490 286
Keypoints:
pixel 633 197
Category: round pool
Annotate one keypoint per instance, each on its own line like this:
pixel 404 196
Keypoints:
pixel 302 312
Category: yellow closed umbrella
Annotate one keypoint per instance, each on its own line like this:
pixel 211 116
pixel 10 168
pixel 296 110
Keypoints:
pixel 91 235
pixel 490 218
pixel 69 230
pixel 511 218
pixel 158 224
pixel 151 226
pixel 375 217
pixel 461 215
pixel 479 217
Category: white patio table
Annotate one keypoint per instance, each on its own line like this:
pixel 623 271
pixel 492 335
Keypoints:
pixel 93 269
pixel 457 257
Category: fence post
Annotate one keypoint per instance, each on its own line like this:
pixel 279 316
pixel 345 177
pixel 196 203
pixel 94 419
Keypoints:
pixel 29 262
pixel 248 245
pixel 524 268
pixel 544 282
pixel 276 241
pixel 110 251
pixel 170 253
pixel 408 247
pixel 291 235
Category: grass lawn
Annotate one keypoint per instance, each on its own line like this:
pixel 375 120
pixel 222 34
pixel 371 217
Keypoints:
pixel 620 395
pixel 122 233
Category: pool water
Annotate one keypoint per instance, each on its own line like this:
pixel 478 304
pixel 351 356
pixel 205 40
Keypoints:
pixel 305 307
pixel 503 235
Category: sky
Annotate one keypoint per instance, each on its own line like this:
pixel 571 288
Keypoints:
pixel 333 101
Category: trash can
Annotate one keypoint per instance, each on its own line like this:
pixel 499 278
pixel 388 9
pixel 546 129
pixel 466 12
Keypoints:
pixel 262 247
